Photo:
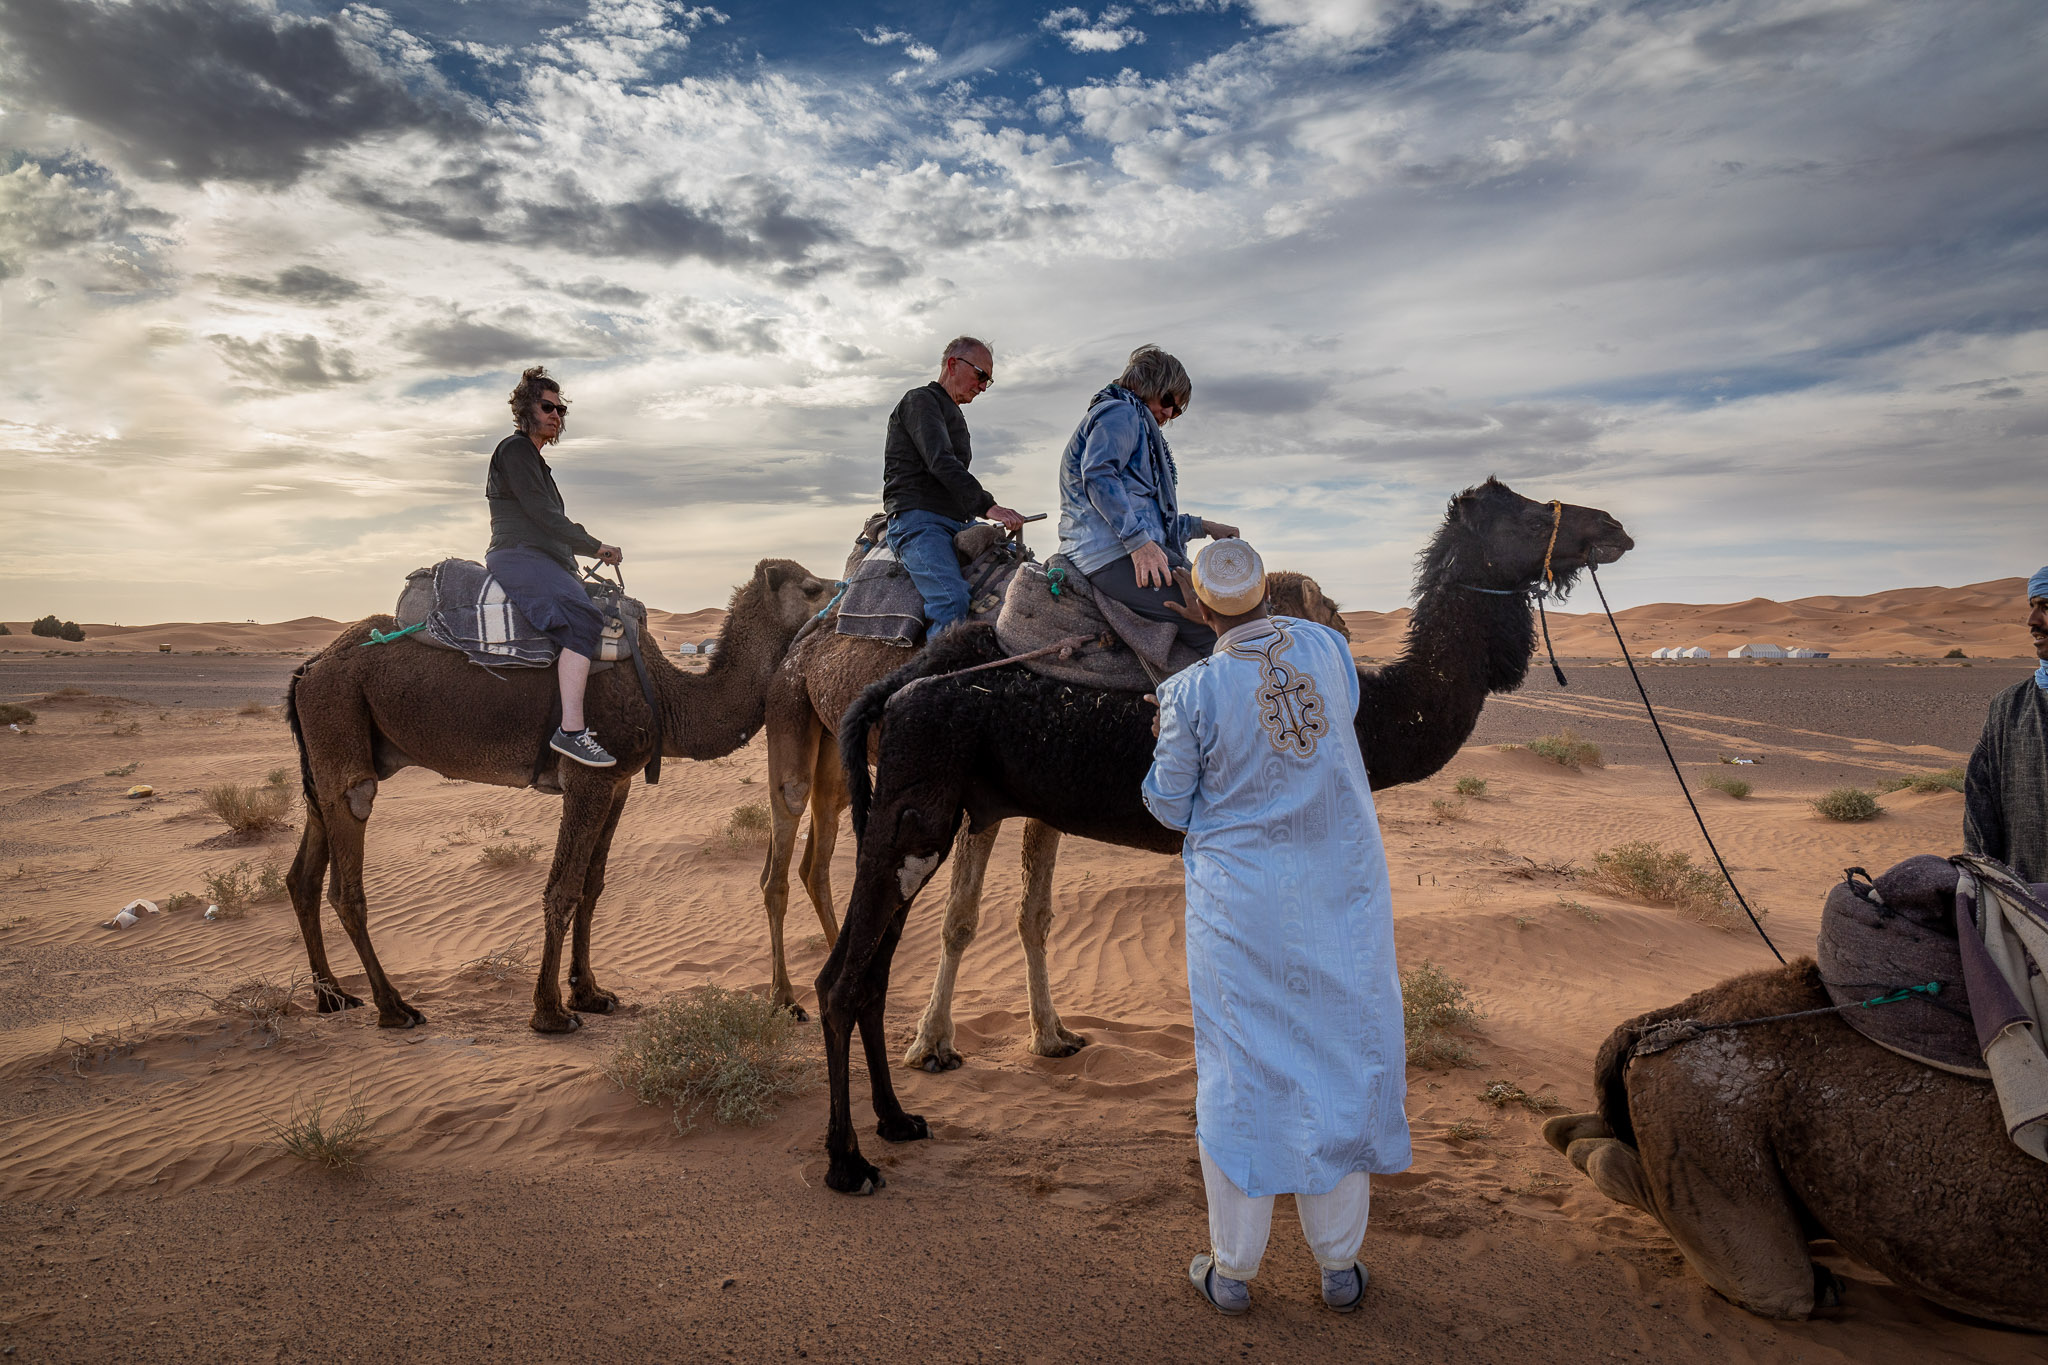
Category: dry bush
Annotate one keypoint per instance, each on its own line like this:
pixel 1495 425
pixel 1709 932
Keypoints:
pixel 1648 871
pixel 338 1144
pixel 249 810
pixel 502 856
pixel 748 824
pixel 277 777
pixel 1955 654
pixel 1847 804
pixel 1432 1003
pixel 500 964
pixel 1467 1130
pixel 1447 810
pixel 260 1000
pixel 14 713
pixel 1947 780
pixel 1501 1094
pixel 1581 909
pixel 1732 786
pixel 732 1050
pixel 270 882
pixel 233 890
pixel 1566 750
pixel 180 900
pixel 252 707
pixel 123 770
pixel 1469 785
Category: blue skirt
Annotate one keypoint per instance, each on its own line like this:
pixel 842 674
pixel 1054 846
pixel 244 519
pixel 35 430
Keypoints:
pixel 549 597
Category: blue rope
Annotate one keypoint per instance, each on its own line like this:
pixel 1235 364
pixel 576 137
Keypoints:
pixel 378 637
pixel 841 585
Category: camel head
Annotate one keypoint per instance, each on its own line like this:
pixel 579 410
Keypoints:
pixel 781 596
pixel 1289 593
pixel 1496 538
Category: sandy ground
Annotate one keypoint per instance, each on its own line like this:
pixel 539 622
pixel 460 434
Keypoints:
pixel 520 1205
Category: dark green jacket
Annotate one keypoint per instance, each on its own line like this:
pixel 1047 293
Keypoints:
pixel 526 507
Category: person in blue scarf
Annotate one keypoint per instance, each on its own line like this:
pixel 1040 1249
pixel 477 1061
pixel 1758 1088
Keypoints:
pixel 1120 517
pixel 2005 795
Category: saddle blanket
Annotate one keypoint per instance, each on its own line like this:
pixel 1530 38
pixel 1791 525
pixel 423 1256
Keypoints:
pixel 459 606
pixel 1052 602
pixel 881 601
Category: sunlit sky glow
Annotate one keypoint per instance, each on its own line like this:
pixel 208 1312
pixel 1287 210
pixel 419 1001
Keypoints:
pixel 1764 278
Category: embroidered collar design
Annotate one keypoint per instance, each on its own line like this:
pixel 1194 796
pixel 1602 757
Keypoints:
pixel 1291 707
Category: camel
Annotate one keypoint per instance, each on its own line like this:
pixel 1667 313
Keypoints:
pixel 1747 1143
pixel 1008 742
pixel 824 673
pixel 359 715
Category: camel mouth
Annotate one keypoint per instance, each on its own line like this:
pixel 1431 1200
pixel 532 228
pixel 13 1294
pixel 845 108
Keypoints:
pixel 1609 551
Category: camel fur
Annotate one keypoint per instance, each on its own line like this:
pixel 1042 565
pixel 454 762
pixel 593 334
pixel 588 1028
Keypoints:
pixel 359 715
pixel 1006 742
pixel 824 673
pixel 1748 1143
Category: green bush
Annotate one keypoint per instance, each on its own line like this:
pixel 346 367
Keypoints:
pixel 1947 780
pixel 249 810
pixel 1567 750
pixel 1955 654
pixel 1469 785
pixel 14 713
pixel 1645 870
pixel 70 631
pixel 47 626
pixel 1732 786
pixel 732 1050
pixel 1432 1003
pixel 1848 804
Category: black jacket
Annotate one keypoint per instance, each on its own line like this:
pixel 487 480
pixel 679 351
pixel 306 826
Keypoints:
pixel 526 507
pixel 925 459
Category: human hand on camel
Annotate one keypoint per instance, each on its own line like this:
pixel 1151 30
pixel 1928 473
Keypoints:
pixel 1152 700
pixel 610 554
pixel 1149 566
pixel 1218 530
pixel 1189 608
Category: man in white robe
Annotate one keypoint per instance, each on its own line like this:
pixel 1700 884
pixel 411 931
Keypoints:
pixel 1300 1061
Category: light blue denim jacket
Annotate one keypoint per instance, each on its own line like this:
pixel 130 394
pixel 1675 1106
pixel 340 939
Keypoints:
pixel 1119 487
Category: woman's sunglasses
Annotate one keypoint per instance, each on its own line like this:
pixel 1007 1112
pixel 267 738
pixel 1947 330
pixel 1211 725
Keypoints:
pixel 552 408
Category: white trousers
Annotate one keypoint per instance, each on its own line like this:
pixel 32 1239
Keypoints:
pixel 1239 1225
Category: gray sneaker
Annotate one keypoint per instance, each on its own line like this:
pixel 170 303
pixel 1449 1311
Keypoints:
pixel 1344 1289
pixel 582 747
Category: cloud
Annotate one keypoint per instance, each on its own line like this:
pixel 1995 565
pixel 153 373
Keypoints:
pixel 465 344
pixel 1108 33
pixel 233 90
pixel 921 53
pixel 279 361
pixel 66 204
pixel 295 284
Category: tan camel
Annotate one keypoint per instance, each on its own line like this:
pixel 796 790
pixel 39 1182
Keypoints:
pixel 821 676
pixel 359 715
pixel 1747 1143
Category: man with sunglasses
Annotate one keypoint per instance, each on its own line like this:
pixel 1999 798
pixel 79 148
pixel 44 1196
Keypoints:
pixel 533 554
pixel 926 488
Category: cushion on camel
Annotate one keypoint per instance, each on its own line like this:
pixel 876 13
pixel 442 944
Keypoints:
pixel 457 605
pixel 881 602
pixel 1054 601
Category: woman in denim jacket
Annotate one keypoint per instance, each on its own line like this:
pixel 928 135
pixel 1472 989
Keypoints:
pixel 1120 517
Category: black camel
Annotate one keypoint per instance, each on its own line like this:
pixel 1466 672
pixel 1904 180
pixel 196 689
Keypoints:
pixel 1006 742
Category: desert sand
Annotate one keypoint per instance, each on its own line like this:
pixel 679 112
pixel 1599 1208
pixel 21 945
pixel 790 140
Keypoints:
pixel 519 1205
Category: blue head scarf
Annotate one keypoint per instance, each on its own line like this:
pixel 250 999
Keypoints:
pixel 2037 586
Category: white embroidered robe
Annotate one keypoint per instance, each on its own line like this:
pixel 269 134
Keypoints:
pixel 1299 1055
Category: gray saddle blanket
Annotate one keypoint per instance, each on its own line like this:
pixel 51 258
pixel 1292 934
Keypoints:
pixel 1054 601
pixel 458 605
pixel 881 602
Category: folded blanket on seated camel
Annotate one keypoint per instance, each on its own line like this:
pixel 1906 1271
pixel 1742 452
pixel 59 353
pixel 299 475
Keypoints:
pixel 1052 602
pixel 881 602
pixel 1969 925
pixel 457 605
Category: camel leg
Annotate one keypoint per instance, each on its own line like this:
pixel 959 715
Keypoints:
pixel 933 1049
pixel 828 803
pixel 345 822
pixel 585 808
pixel 585 995
pixel 793 747
pixel 309 870
pixel 1049 1037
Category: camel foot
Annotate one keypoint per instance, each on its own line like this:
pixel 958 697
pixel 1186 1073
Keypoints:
pixel 593 1000
pixel 904 1128
pixel 405 1016
pixel 556 1021
pixel 1562 1131
pixel 793 1010
pixel 933 1056
pixel 1062 1042
pixel 333 999
pixel 853 1175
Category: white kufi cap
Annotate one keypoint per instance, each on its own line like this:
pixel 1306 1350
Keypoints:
pixel 1230 577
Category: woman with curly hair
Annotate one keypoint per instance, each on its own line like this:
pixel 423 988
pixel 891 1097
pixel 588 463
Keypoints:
pixel 533 549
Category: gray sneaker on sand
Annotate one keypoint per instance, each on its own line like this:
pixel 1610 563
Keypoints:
pixel 1225 1294
pixel 582 747
pixel 1344 1289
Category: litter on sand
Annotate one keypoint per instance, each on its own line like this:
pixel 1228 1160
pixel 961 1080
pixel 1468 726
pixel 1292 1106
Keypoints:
pixel 139 791
pixel 213 912
pixel 130 913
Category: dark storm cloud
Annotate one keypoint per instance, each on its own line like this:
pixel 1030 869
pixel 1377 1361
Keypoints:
pixel 288 362
pixel 210 89
pixel 1260 394
pixel 464 344
pixel 297 284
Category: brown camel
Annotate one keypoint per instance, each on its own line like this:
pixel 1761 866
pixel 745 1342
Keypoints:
pixel 1747 1143
pixel 359 715
pixel 820 677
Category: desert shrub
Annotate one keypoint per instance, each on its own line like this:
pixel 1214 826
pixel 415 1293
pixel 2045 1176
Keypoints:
pixel 1847 803
pixel 252 707
pixel 181 900
pixel 501 964
pixel 249 810
pixel 1955 654
pixel 502 856
pixel 4 630
pixel 122 771
pixel 337 1144
pixel 270 882
pixel 1466 1130
pixel 1566 750
pixel 14 713
pixel 71 631
pixel 1648 871
pixel 49 627
pixel 1432 1003
pixel 232 890
pixel 277 777
pixel 261 1001
pixel 1501 1094
pixel 1732 786
pixel 1581 909
pixel 1947 780
pixel 1447 810
pixel 731 1050
pixel 1469 785
pixel 748 824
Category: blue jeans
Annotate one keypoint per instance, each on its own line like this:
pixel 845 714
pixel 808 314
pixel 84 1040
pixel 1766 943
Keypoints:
pixel 923 542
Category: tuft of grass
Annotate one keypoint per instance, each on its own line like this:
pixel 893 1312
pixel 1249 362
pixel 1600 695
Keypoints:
pixel 1432 1003
pixel 249 810
pixel 1467 1130
pixel 502 856
pixel 233 890
pixel 732 1051
pixel 337 1144
pixel 1847 804
pixel 1469 785
pixel 181 900
pixel 1447 810
pixel 1501 1094
pixel 14 713
pixel 1567 750
pixel 123 770
pixel 501 964
pixel 1947 780
pixel 252 707
pixel 1581 909
pixel 262 1001
pixel 277 777
pixel 270 882
pixel 748 824
pixel 1731 786
pixel 1645 870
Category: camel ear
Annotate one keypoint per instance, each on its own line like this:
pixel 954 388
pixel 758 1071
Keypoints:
pixel 772 574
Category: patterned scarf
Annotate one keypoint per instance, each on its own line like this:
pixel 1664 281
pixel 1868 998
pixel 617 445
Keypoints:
pixel 2037 586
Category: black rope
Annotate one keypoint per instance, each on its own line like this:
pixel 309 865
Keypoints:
pixel 1701 820
pixel 1546 640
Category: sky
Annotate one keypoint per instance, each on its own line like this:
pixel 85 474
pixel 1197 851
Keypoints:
pixel 1762 278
